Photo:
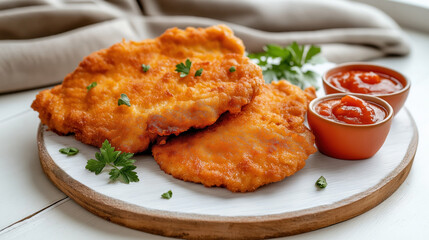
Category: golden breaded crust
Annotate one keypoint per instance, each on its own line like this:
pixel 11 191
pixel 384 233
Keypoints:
pixel 162 103
pixel 266 142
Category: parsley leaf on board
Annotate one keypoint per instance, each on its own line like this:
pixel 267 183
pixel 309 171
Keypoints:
pixel 287 63
pixel 199 72
pixel 124 100
pixel 232 69
pixel 91 86
pixel 321 182
pixel 184 69
pixel 145 67
pixel 70 151
pixel 122 166
pixel 167 195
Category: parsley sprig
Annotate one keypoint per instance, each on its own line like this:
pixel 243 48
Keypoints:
pixel 124 100
pixel 145 67
pixel 167 195
pixel 91 86
pixel 321 182
pixel 69 151
pixel 184 69
pixel 199 72
pixel 121 164
pixel 287 63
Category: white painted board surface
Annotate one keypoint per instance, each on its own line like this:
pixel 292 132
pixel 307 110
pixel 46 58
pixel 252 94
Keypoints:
pixel 298 192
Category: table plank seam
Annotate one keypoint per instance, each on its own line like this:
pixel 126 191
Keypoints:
pixel 14 116
pixel 29 217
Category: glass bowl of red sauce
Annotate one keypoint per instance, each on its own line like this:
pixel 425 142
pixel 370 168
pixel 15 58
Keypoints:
pixel 370 79
pixel 349 126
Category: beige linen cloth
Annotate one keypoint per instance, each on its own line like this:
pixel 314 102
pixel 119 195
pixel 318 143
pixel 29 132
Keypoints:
pixel 41 41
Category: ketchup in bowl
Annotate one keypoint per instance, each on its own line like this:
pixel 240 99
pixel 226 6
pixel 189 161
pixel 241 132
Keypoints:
pixel 351 110
pixel 369 79
pixel 349 126
pixel 366 82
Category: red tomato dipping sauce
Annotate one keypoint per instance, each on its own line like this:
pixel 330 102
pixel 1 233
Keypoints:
pixel 351 110
pixel 365 82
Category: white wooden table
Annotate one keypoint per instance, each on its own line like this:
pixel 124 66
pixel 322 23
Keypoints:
pixel 31 207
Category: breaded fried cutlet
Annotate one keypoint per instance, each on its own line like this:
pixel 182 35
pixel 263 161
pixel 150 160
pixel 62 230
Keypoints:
pixel 265 142
pixel 161 101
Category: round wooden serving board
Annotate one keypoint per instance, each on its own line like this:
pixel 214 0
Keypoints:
pixel 291 206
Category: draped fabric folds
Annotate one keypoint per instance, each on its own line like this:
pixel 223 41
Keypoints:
pixel 41 41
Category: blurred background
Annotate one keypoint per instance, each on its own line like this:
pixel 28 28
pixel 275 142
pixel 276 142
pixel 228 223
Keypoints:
pixel 37 34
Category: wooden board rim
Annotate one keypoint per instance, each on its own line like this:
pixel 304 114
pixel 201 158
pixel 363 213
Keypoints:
pixel 199 226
